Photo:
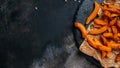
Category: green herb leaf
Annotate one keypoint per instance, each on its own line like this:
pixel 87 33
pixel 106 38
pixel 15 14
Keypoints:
pixel 91 26
pixel 119 18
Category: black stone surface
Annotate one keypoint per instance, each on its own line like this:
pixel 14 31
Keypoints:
pixel 39 34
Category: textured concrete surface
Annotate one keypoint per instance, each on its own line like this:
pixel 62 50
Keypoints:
pixel 39 34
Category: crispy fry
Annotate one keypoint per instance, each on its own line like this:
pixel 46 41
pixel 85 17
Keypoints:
pixel 108 35
pixel 114 15
pixel 104 40
pixel 117 59
pixel 105 48
pixel 91 42
pixel 106 19
pixel 107 13
pixel 103 54
pixel 97 44
pixel 113 6
pixel 113 45
pixel 108 54
pixel 97 41
pixel 118 23
pixel 118 34
pixel 114 29
pixel 111 10
pixel 81 28
pixel 98 31
pixel 100 22
pixel 115 37
pixel 96 25
pixel 112 22
pixel 109 29
pixel 94 13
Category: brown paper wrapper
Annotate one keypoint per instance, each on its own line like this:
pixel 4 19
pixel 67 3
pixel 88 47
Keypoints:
pixel 107 62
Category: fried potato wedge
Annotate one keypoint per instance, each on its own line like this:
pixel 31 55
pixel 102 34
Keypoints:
pixel 81 28
pixel 108 35
pixel 96 25
pixel 98 31
pixel 100 22
pixel 94 13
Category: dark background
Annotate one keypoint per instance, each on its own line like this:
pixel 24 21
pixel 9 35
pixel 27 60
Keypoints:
pixel 39 38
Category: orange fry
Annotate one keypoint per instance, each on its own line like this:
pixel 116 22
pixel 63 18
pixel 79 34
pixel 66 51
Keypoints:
pixel 107 13
pixel 109 29
pixel 96 25
pixel 105 48
pixel 113 45
pixel 118 34
pixel 114 29
pixel 100 22
pixel 91 42
pixel 114 15
pixel 98 31
pixel 108 35
pixel 115 37
pixel 111 10
pixel 118 23
pixel 113 6
pixel 94 13
pixel 108 54
pixel 112 22
pixel 106 19
pixel 95 43
pixel 103 54
pixel 81 28
pixel 104 40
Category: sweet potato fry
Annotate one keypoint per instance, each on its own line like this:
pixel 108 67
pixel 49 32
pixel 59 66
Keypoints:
pixel 118 23
pixel 113 45
pixel 108 35
pixel 103 54
pixel 94 13
pixel 113 6
pixel 117 59
pixel 108 54
pixel 97 44
pixel 109 30
pixel 114 15
pixel 100 22
pixel 114 29
pixel 81 28
pixel 115 37
pixel 98 31
pixel 118 34
pixel 106 19
pixel 105 48
pixel 96 25
pixel 104 40
pixel 111 10
pixel 107 13
pixel 112 22
pixel 91 42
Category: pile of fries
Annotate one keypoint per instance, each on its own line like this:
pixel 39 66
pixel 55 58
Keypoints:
pixel 105 34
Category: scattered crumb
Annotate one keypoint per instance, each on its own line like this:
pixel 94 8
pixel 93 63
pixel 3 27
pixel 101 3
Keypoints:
pixel 65 0
pixel 36 8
